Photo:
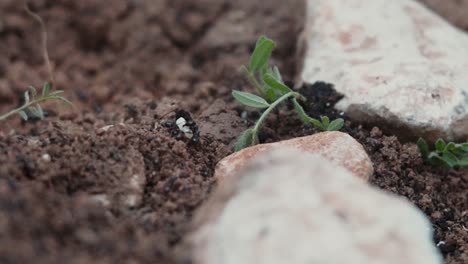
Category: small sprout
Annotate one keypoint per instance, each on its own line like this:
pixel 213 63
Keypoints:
pixel 272 93
pixel 449 155
pixel 32 107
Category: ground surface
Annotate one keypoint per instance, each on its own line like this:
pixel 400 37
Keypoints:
pixel 64 181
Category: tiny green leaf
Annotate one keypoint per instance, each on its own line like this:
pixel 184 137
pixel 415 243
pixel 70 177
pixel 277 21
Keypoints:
pixel 440 145
pixel 249 99
pixel 275 84
pixel 54 93
pixel 270 95
pixel 62 99
pixel 450 159
pixel 247 139
pixel 33 92
pixel 261 54
pixel 276 73
pixel 40 111
pixel 463 162
pixel 23 115
pixel 26 97
pixel 336 124
pixel 423 148
pixel 325 121
pixel 45 89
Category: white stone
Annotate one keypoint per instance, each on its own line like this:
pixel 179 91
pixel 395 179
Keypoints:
pixel 395 61
pixel 338 147
pixel 307 210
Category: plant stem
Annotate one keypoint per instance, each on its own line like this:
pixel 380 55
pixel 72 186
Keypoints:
pixel 271 107
pixel 19 109
pixel 253 81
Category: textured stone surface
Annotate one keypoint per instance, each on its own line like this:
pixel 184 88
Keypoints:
pixel 338 147
pixel 455 11
pixel 307 211
pixel 396 62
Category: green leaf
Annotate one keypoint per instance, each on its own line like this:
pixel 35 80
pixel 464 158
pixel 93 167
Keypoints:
pixel 54 93
pixel 450 159
pixel 300 111
pixel 26 97
pixel 45 89
pixel 437 160
pixel 276 74
pixel 261 54
pixel 325 121
pixel 336 124
pixel 33 92
pixel 62 99
pixel 249 99
pixel 440 145
pixel 450 146
pixel 40 111
pixel 270 95
pixel 247 139
pixel 275 84
pixel 463 162
pixel 423 148
pixel 464 146
pixel 23 115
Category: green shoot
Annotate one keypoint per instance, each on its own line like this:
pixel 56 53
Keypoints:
pixel 448 155
pixel 272 93
pixel 32 107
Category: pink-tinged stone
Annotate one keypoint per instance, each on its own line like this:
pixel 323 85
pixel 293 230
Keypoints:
pixel 338 147
pixel 306 210
pixel 455 11
pixel 396 62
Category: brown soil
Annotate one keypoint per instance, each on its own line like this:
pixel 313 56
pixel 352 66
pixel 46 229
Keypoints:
pixel 74 189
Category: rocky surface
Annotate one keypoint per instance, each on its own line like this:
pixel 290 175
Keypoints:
pixel 293 207
pixel 452 10
pixel 338 147
pixel 397 63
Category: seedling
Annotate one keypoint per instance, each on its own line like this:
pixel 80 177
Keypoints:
pixel 32 107
pixel 448 155
pixel 272 93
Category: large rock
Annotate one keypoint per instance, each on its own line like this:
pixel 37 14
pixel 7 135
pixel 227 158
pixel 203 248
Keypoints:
pixel 307 210
pixel 338 147
pixel 396 62
pixel 455 11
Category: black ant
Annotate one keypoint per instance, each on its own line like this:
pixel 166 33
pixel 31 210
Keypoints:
pixel 183 126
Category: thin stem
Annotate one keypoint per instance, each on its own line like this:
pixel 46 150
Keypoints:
pixel 271 107
pixel 45 52
pixel 253 81
pixel 23 107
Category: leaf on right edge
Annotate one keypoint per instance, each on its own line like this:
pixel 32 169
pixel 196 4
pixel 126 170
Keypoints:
pixel 336 124
pixel 423 148
pixel 249 99
pixel 247 139
pixel 261 54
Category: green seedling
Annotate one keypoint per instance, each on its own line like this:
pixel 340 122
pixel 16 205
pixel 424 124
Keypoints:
pixel 272 92
pixel 448 155
pixel 32 107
